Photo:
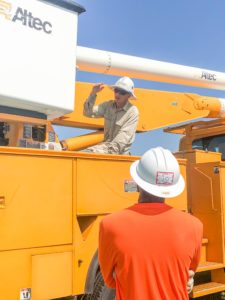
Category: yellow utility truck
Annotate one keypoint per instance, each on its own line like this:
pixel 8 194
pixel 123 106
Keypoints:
pixel 53 196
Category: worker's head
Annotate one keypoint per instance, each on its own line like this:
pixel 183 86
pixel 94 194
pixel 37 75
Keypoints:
pixel 158 173
pixel 123 90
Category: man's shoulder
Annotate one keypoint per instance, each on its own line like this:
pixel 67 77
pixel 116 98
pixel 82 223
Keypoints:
pixel 132 108
pixel 109 102
pixel 115 217
pixel 188 219
pixel 135 109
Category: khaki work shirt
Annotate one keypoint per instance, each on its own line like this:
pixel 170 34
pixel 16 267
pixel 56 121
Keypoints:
pixel 119 128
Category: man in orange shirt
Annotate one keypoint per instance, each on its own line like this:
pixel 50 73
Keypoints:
pixel 147 250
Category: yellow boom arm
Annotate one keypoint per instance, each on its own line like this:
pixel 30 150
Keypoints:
pixel 157 108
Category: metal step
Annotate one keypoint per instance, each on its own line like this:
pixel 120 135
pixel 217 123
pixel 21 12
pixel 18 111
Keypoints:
pixel 209 265
pixel 207 289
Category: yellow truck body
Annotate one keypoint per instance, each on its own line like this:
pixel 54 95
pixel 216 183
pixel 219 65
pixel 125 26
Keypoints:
pixel 51 202
pixel 51 206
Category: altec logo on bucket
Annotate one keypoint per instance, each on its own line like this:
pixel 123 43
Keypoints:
pixel 25 17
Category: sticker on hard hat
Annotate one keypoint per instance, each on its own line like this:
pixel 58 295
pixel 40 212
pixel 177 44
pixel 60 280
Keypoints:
pixel 164 178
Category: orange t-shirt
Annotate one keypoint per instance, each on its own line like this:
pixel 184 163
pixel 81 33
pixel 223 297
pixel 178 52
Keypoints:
pixel 146 250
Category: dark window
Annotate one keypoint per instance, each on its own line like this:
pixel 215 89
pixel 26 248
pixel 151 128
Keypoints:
pixel 39 133
pixel 212 143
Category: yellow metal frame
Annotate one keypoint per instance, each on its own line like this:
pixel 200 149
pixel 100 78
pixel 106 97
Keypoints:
pixel 53 203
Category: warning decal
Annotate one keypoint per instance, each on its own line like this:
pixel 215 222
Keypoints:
pixel 25 294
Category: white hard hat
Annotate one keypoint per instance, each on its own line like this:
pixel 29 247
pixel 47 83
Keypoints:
pixel 126 84
pixel 158 173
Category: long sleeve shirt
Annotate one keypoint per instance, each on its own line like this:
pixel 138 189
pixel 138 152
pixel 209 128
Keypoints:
pixel 120 124
pixel 145 251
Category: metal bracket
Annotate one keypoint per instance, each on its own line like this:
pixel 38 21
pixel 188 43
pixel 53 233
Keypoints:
pixel 2 202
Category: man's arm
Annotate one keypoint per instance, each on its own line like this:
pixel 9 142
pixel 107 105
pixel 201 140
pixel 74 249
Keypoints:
pixel 125 135
pixel 190 282
pixel 106 256
pixel 90 110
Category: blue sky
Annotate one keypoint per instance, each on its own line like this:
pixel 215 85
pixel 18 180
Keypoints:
pixel 184 32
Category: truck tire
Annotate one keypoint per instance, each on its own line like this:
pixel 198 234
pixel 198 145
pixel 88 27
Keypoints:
pixel 101 292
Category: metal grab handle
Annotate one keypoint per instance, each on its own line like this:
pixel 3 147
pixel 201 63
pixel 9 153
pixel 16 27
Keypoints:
pixel 211 187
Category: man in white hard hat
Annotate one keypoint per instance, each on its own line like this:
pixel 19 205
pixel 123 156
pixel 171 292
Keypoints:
pixel 121 117
pixel 147 250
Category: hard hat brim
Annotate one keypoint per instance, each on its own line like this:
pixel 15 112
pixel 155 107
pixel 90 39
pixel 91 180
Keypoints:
pixel 112 87
pixel 162 191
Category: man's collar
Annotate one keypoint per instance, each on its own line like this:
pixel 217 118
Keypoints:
pixel 125 107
